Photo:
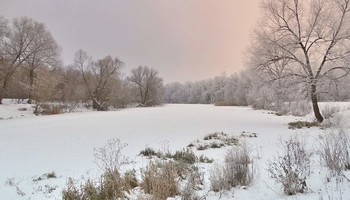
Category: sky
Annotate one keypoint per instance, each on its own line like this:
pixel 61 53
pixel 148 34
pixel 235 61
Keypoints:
pixel 184 40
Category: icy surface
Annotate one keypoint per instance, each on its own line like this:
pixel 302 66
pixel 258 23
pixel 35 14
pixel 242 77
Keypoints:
pixel 34 145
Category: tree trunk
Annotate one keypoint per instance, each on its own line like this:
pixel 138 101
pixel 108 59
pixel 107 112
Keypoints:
pixel 96 105
pixel 31 83
pixel 315 104
pixel 3 89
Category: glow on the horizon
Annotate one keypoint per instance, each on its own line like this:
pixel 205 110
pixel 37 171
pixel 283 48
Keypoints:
pixel 182 39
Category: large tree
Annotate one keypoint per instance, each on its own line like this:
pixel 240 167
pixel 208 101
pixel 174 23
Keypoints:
pixel 148 85
pixel 305 41
pixel 46 52
pixel 98 76
pixel 25 42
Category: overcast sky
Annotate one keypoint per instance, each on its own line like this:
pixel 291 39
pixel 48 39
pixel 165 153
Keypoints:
pixel 183 39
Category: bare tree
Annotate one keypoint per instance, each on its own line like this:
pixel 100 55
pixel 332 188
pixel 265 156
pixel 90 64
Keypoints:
pixel 25 42
pixel 307 41
pixel 148 84
pixel 45 52
pixel 4 33
pixel 97 76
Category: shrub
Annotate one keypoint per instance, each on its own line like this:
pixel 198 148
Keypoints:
pixel 190 145
pixel 202 147
pixel 186 156
pixel 204 159
pixel 230 141
pixel 302 124
pixel 48 109
pixel 216 135
pixel 292 168
pixel 334 151
pixel 218 181
pixel 109 186
pixel 248 134
pixel 149 152
pixel 216 145
pixel 237 162
pixel 194 181
pixel 51 175
pixel 129 180
pixel 236 170
pixel 159 180
pixel 109 157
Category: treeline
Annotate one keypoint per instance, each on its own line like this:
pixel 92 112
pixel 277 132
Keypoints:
pixel 290 60
pixel 232 90
pixel 252 87
pixel 299 51
pixel 31 68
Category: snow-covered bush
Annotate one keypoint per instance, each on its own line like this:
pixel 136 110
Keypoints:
pixel 109 158
pixel 194 182
pixel 185 156
pixel 149 152
pixel 237 164
pixel 236 170
pixel 292 168
pixel 111 184
pixel 334 152
pixel 217 178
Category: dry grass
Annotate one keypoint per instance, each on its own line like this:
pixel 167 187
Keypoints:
pixel 160 180
pixel 236 170
pixel 302 124
pixel 109 186
pixel 335 151
pixel 48 109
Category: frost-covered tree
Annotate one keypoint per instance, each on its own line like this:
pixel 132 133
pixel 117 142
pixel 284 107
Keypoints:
pixel 24 42
pixel 219 90
pixel 98 76
pixel 306 41
pixel 148 84
pixel 46 52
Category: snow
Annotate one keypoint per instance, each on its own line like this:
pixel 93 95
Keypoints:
pixel 31 146
pixel 11 109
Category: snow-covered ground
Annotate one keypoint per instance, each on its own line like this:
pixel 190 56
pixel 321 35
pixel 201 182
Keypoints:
pixel 11 109
pixel 32 146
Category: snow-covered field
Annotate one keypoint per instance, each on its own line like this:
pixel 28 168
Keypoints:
pixel 31 146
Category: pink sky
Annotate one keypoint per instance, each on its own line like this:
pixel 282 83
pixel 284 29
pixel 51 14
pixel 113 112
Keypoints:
pixel 183 39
